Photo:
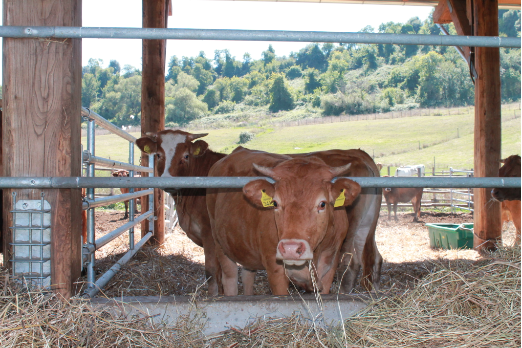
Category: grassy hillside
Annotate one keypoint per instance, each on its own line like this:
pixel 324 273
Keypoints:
pixel 401 141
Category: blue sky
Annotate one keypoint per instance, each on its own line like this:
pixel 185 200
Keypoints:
pixel 214 14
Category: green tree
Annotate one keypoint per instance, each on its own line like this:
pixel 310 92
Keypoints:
pixel 311 78
pixel 268 55
pixel 211 98
pixel 429 92
pixel 188 82
pixel 280 96
pixel 312 57
pixel 90 86
pixel 115 66
pixel 182 106
pixel 294 72
pixel 204 77
pixel 239 88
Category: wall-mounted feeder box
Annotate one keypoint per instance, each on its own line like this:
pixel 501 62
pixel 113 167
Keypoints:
pixel 451 236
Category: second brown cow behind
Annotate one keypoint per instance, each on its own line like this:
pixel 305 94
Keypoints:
pixel 124 173
pixel 396 195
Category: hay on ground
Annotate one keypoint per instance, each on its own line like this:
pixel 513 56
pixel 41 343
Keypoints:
pixel 461 305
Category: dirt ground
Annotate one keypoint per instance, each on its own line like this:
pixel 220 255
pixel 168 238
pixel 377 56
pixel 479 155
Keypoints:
pixel 177 267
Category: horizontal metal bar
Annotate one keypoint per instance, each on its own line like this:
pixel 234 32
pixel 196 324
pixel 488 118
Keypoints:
pixel 114 164
pixel 107 276
pixel 239 182
pixel 31 260
pixel 100 242
pixel 102 122
pixel 100 202
pixel 255 35
pixel 462 193
pixel 29 244
pixel 461 200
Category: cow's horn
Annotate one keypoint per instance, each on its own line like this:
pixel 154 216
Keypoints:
pixel 336 171
pixel 264 170
pixel 191 137
pixel 151 135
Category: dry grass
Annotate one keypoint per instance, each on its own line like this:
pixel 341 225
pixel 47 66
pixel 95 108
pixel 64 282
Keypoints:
pixel 436 298
pixel 467 305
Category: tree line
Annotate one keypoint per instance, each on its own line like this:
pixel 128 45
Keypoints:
pixel 332 79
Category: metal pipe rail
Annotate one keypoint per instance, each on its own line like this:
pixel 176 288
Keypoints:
pixel 100 202
pixel 102 122
pixel 239 182
pixel 100 242
pixel 104 279
pixel 108 163
pixel 254 35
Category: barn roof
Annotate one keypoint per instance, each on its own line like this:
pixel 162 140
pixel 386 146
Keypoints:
pixel 504 4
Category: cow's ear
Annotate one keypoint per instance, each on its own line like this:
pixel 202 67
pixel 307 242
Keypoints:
pixel 260 193
pixel 344 192
pixel 147 145
pixel 198 148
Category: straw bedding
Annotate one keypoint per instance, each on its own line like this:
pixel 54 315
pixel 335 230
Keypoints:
pixel 447 300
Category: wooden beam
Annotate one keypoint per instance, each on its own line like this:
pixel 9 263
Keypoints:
pixel 41 124
pixel 487 125
pixel 458 13
pixel 442 15
pixel 155 14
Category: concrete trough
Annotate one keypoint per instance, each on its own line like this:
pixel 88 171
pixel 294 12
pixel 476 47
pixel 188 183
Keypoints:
pixel 223 313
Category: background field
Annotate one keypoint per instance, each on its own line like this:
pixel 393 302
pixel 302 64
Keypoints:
pixel 447 139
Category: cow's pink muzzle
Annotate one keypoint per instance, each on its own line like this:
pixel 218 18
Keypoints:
pixel 294 251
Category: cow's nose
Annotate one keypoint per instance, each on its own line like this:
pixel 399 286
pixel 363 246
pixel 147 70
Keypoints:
pixel 294 250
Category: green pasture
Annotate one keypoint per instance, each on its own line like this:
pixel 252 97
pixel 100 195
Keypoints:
pixel 394 142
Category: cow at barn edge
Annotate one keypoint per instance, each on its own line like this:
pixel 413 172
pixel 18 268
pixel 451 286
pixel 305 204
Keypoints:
pixel 294 228
pixel 179 155
pixel 510 197
pixel 396 195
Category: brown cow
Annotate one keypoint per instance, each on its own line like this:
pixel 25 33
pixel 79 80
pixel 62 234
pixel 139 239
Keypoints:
pixel 403 195
pixel 510 197
pixel 177 155
pixel 176 152
pixel 122 173
pixel 284 226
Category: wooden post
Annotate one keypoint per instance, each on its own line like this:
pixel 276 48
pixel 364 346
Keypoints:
pixel 153 100
pixel 41 125
pixel 487 125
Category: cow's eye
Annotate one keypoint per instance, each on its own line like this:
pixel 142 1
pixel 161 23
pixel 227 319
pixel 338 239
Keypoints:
pixel 275 204
pixel 186 157
pixel 322 205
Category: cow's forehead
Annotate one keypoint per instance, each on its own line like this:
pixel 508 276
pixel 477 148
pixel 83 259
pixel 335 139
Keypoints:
pixel 170 141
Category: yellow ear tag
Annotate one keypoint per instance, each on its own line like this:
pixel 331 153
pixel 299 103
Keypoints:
pixel 339 202
pixel 266 200
pixel 146 149
pixel 196 152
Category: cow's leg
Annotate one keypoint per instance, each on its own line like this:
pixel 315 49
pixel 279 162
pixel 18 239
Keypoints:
pixel 389 210
pixel 395 210
pixel 327 279
pixel 277 278
pixel 248 277
pixel 229 273
pixel 416 208
pixel 212 265
pixel 349 267
pixel 372 264
pixel 126 203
